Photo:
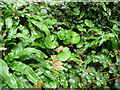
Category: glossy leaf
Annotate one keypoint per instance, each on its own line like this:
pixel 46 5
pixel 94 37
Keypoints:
pixel 51 21
pixel 1 24
pixel 89 23
pixel 8 77
pixel 9 22
pixel 50 75
pixel 28 71
pixel 103 5
pixel 50 42
pixel 41 26
pixel 64 55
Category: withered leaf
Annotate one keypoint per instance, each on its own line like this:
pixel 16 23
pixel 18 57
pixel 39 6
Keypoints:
pixel 81 61
pixel 89 69
pixel 4 34
pixel 39 84
pixel 59 49
pixel 57 64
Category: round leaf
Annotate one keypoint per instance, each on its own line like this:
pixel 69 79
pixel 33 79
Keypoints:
pixel 50 42
pixel 64 55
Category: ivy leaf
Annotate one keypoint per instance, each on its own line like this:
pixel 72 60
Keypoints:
pixel 89 23
pixel 50 42
pixel 61 35
pixel 75 37
pixel 80 44
pixel 64 55
pixel 71 37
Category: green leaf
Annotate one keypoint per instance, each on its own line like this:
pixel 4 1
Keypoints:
pixel 89 23
pixel 39 71
pixel 76 11
pixel 109 11
pixel 44 11
pixel 72 80
pixel 1 24
pixel 19 52
pixel 98 83
pixel 75 37
pixel 50 42
pixel 103 5
pixel 51 21
pixel 81 28
pixel 49 75
pixel 82 14
pixel 12 32
pixel 9 22
pixel 27 70
pixel 61 34
pixel 8 77
pixel 64 55
pixel 98 31
pixel 23 82
pixel 118 59
pixel 80 44
pixel 51 85
pixel 40 25
pixel 71 37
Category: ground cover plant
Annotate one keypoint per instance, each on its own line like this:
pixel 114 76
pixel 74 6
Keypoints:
pixel 60 45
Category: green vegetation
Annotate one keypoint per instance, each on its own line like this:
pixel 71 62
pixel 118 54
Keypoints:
pixel 60 45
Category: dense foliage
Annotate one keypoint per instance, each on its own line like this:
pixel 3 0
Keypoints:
pixel 60 45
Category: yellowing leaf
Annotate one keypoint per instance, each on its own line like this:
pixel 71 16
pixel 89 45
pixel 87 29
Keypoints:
pixel 39 84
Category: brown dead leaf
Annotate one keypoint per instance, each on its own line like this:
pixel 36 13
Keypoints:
pixel 56 76
pixel 4 34
pixel 57 64
pixel 111 64
pixel 115 52
pixel 54 57
pixel 81 61
pixel 59 49
pixel 89 69
pixel 39 84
